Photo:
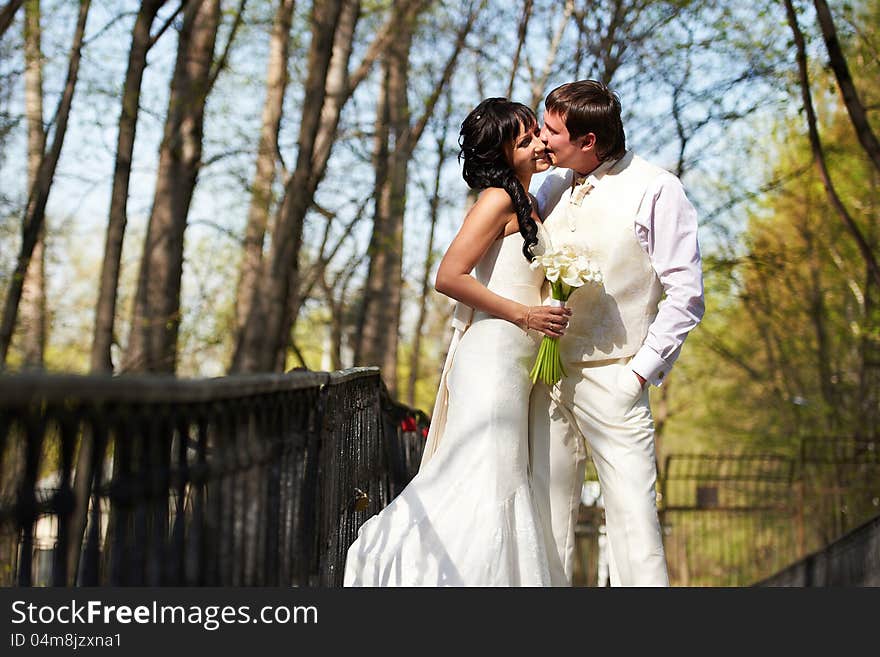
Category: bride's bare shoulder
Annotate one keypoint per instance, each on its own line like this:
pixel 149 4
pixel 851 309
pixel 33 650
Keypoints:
pixel 490 213
pixel 494 198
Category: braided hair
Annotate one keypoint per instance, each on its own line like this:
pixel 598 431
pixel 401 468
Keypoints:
pixel 485 135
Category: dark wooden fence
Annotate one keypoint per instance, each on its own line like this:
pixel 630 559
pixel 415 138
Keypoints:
pixel 248 480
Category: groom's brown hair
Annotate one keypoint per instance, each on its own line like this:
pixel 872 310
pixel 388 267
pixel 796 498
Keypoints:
pixel 590 106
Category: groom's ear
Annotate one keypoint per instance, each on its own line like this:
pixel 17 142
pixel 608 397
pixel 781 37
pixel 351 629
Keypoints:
pixel 588 142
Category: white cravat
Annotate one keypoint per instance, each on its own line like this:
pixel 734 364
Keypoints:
pixel 583 185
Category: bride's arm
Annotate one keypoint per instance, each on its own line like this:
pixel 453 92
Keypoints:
pixel 483 225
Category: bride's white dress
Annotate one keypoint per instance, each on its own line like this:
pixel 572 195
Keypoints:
pixel 468 517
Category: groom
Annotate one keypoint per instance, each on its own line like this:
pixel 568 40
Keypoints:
pixel 634 220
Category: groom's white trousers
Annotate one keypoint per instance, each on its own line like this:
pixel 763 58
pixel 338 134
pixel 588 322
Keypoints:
pixel 599 401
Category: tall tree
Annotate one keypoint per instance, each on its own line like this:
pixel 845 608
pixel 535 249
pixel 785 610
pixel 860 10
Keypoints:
pixel 152 344
pixel 35 211
pixel 267 163
pixel 396 140
pixel 521 33
pixel 539 82
pixel 442 153
pixel 337 90
pixel 32 314
pixel 141 42
pixel 818 151
pixel 854 106
pixel 7 14
pixel 253 352
pixel 105 311
pixel 262 339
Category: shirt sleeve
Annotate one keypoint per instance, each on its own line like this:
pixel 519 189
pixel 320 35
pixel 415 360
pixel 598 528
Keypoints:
pixel 666 227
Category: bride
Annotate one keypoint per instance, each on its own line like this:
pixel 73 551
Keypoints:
pixel 468 518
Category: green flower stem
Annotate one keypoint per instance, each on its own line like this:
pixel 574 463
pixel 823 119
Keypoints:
pixel 548 365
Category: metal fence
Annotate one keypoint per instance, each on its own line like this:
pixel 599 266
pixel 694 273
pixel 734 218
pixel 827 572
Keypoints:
pixel 249 480
pixel 265 480
pixel 852 560
pixel 727 518
pixel 735 519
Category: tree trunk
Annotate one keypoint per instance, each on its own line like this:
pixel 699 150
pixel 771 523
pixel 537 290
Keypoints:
pixel 612 43
pixel 337 316
pixel 7 14
pixel 854 105
pixel 253 352
pixel 817 312
pixel 340 84
pixel 152 345
pixel 521 32
pixel 35 211
pixel 340 87
pixel 338 90
pixel 381 304
pixel 379 319
pixel 539 84
pixel 868 400
pixel 261 195
pixel 105 311
pixel 818 153
pixel 614 33
pixel 264 338
pixel 869 370
pixel 325 256
pixel 32 320
pixel 415 363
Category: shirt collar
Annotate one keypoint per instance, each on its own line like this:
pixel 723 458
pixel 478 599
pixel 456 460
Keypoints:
pixel 594 176
pixel 583 185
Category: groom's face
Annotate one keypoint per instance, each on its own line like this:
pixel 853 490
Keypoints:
pixel 563 152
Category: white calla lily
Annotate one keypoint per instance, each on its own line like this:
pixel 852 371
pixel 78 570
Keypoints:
pixel 572 276
pixel 566 269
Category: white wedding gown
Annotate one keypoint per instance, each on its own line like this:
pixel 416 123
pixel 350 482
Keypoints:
pixel 468 517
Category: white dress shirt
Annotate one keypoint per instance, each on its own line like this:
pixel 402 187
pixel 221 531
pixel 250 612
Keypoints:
pixel 666 228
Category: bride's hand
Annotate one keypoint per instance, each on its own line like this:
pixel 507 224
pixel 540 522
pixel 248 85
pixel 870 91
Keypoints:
pixel 549 320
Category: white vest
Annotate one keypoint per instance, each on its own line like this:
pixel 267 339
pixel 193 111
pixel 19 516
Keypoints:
pixel 610 320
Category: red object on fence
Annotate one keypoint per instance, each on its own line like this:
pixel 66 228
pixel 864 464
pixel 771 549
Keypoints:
pixel 408 424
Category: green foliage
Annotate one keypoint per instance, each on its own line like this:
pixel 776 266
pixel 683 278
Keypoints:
pixel 788 346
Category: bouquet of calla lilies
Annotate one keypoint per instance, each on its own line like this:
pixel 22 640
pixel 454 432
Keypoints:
pixel 566 270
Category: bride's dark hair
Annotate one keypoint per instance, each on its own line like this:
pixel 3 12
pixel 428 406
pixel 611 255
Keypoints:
pixel 485 135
